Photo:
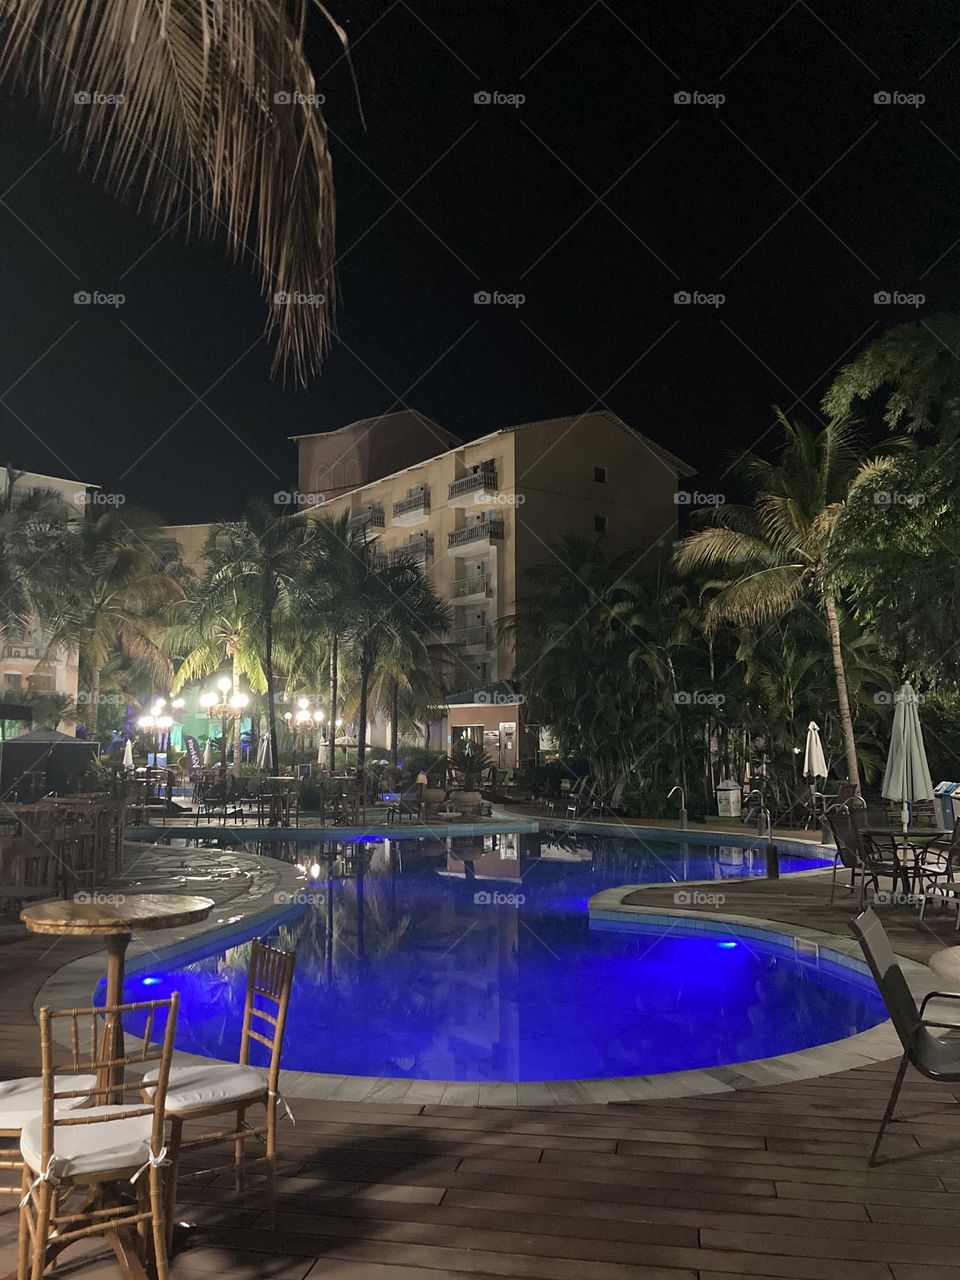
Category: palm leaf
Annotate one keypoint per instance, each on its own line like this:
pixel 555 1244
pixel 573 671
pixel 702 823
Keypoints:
pixel 194 113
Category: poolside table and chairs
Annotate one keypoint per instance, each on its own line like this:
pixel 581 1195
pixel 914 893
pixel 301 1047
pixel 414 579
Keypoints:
pixel 101 1128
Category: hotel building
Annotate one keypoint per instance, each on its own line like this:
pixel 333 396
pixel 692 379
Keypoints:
pixel 477 515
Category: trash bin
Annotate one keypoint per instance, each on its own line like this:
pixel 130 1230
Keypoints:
pixel 728 798
pixel 943 793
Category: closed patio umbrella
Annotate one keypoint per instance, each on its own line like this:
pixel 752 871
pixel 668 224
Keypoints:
pixel 263 751
pixel 907 776
pixel 128 755
pixel 814 761
pixel 208 754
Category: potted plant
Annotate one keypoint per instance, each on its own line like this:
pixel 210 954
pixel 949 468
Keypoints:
pixel 470 762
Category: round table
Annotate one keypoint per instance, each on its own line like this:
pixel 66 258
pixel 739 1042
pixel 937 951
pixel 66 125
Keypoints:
pixel 115 917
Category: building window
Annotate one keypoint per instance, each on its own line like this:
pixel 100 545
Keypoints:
pixel 600 524
pixel 11 680
pixel 600 475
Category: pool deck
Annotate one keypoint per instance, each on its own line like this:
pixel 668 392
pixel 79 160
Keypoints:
pixel 765 1182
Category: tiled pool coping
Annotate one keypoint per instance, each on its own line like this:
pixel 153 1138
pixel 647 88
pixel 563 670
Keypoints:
pixel 73 985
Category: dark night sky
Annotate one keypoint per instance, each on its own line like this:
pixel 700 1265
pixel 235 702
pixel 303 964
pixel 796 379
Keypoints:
pixel 798 198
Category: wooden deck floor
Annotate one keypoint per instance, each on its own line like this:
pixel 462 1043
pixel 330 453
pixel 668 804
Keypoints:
pixel 767 1183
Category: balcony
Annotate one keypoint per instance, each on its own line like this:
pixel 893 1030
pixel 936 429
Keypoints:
pixel 481 531
pixel 477 589
pixel 21 651
pixel 417 549
pixel 370 518
pixel 473 489
pixel 471 637
pixel 412 510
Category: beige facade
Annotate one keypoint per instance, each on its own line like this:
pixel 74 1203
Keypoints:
pixel 479 514
pixel 26 663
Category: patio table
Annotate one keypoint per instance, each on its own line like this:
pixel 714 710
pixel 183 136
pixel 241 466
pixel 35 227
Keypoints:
pixel 915 840
pixel 115 919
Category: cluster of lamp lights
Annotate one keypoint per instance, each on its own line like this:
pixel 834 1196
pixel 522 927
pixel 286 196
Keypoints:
pixel 224 703
pixel 305 717
pixel 157 719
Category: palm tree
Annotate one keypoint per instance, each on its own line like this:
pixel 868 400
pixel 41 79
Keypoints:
pixel 122 579
pixel 779 553
pixel 338 570
pixel 215 623
pixel 396 614
pixel 206 116
pixel 262 561
pixel 33 539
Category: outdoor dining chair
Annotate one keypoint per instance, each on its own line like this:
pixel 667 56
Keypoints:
pixel 201 1091
pixel 75 1161
pixel 934 1058
pixel 20 1101
pixel 861 857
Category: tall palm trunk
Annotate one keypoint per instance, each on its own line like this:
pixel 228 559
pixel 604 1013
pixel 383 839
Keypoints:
pixel 843 699
pixel 365 667
pixel 332 722
pixel 271 702
pixel 93 704
pixel 394 718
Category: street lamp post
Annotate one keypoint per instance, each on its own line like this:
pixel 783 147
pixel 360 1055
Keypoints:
pixel 225 705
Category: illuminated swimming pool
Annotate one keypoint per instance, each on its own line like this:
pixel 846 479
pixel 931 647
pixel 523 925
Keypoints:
pixel 475 959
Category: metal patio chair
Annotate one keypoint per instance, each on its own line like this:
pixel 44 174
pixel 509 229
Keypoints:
pixel 861 857
pixel 934 1058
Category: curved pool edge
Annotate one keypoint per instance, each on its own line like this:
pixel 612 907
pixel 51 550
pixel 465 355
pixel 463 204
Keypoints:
pixel 73 983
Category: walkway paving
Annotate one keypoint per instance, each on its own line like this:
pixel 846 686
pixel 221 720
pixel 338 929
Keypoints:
pixel 764 1183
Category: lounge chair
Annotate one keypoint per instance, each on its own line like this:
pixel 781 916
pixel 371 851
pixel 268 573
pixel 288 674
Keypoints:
pixel 934 1058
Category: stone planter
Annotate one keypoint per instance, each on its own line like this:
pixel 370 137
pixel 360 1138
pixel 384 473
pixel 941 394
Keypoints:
pixel 433 796
pixel 466 801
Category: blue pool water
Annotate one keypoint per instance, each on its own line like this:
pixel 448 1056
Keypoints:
pixel 474 959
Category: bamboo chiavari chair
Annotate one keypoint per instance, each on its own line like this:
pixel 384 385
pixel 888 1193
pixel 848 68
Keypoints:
pixel 202 1091
pixel 75 1160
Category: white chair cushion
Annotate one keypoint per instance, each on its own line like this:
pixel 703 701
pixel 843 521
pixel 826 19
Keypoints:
pixel 196 1087
pixel 83 1149
pixel 21 1100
